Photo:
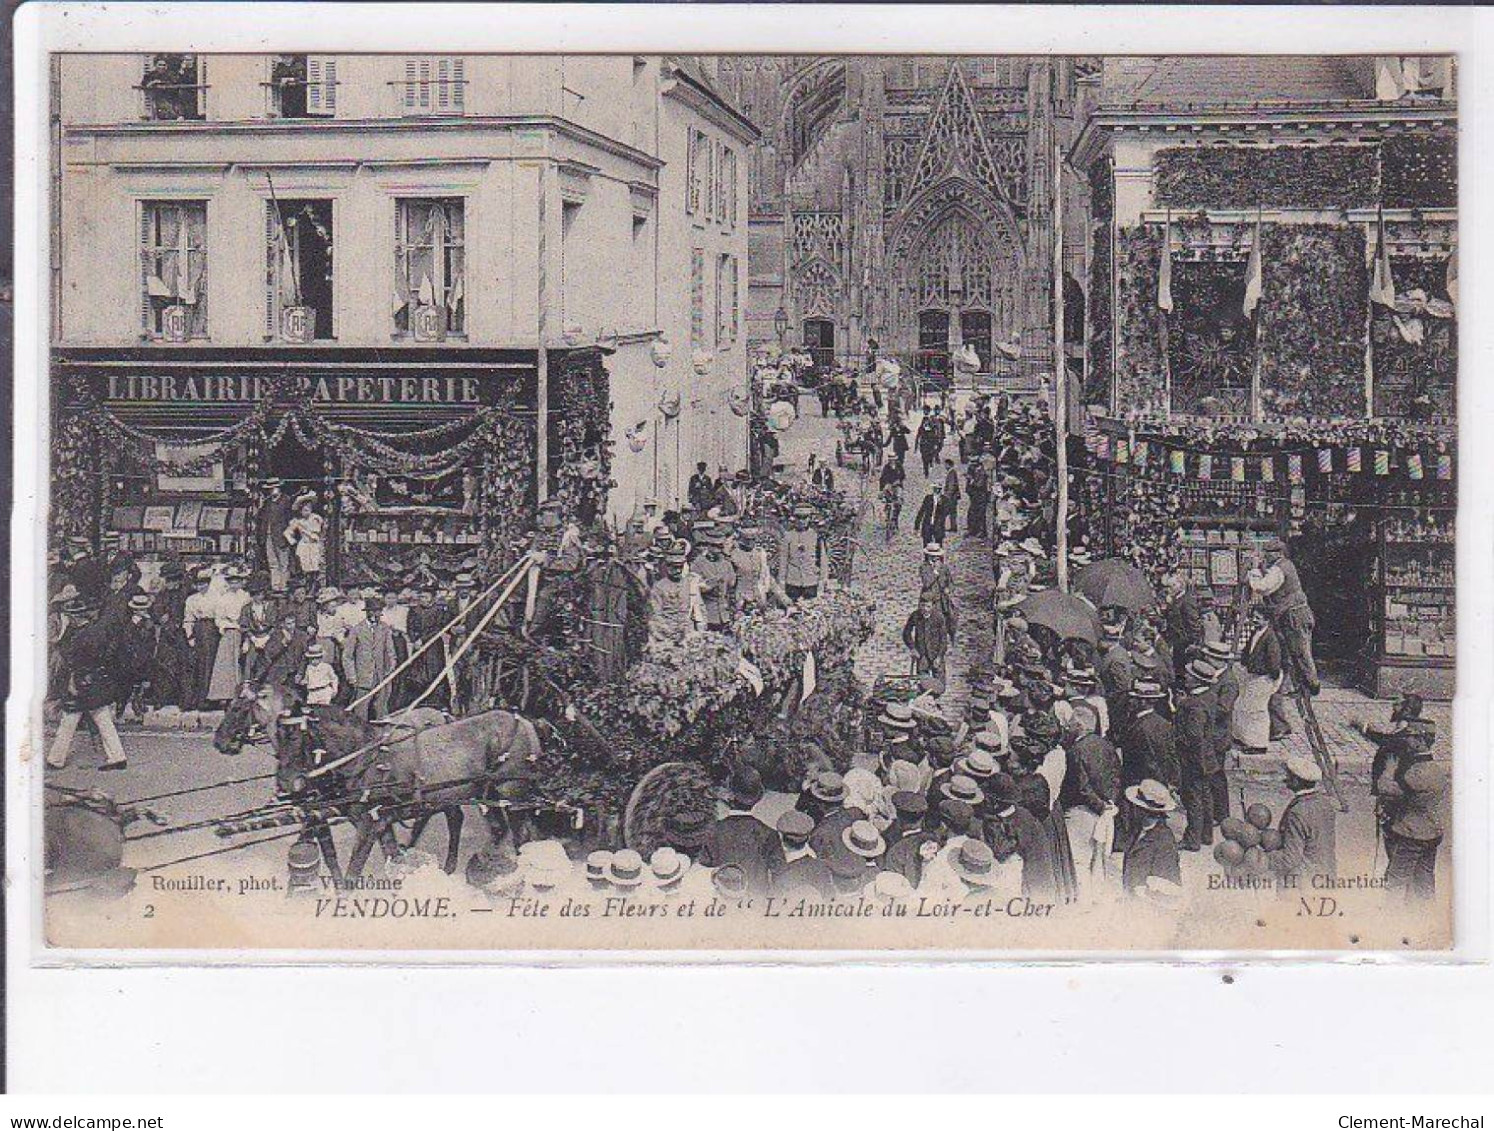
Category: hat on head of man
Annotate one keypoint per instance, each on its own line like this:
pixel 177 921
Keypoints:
pixel 1218 651
pixel 1151 796
pixel 975 862
pixel 1200 672
pixel 1148 689
pixel 1408 707
pixel 794 826
pixel 933 550
pixel 911 807
pixel 828 786
pixel 744 788
pixel 977 765
pixel 959 787
pixel 897 715
pixel 863 839
pixel 1303 768
pixel 140 602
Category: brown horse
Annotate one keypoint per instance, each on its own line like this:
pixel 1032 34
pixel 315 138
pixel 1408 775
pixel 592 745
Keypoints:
pixel 421 756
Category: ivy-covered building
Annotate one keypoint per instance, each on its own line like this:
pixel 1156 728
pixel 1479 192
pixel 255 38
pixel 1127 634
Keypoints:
pixel 1271 340
pixel 1312 157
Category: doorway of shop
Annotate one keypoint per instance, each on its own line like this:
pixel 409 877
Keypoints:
pixel 302 470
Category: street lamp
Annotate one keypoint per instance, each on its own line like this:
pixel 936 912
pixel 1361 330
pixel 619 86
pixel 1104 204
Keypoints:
pixel 780 324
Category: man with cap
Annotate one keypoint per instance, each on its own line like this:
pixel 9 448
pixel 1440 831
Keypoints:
pixel 802 563
pixel 717 579
pixel 1153 850
pixel 1198 761
pixel 275 515
pixel 1286 605
pixel 1012 829
pixel 368 658
pixel 739 837
pixel 92 664
pixel 801 867
pixel 1308 843
pixel 1411 792
pixel 257 620
pixel 910 844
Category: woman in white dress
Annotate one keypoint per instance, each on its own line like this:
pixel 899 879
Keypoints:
pixel 305 536
pixel 227 612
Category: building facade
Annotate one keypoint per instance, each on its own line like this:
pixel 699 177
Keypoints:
pixel 906 201
pixel 398 243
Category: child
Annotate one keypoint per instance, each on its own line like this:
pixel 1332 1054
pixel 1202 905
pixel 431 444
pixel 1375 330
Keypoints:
pixel 320 678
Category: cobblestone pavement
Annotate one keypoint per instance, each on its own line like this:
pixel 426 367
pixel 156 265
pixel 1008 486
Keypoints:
pixel 889 569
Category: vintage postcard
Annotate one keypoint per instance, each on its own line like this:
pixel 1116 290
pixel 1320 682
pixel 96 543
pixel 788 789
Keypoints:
pixel 935 504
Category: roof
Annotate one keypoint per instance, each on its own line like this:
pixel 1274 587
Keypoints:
pixel 1202 80
pixel 692 70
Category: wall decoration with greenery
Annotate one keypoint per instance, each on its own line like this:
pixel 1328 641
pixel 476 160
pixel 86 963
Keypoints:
pixel 1327 176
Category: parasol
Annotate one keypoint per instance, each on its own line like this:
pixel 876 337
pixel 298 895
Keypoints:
pixel 1114 583
pixel 1062 613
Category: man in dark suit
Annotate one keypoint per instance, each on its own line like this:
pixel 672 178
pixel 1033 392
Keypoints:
pixel 1263 660
pixel 740 838
pixel 1182 622
pixel 801 867
pixel 951 496
pixel 910 844
pixel 931 515
pixel 1193 730
pixel 1308 834
pixel 1226 691
pixel 1012 828
pixel 1148 747
pixel 1153 852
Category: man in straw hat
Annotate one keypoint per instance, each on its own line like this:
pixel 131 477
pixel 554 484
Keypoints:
pixel 674 606
pixel 274 517
pixel 1153 851
pixel 319 677
pixel 92 665
pixel 368 658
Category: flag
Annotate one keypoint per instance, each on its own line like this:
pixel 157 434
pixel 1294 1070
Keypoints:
pixel 1325 460
pixel 1413 465
pixel 399 303
pixel 1253 272
pixel 1205 467
pixel 752 674
pixel 1294 469
pixel 1122 450
pixel 180 283
pixel 1382 284
pixel 809 676
pixel 1268 469
pixel 455 295
pixel 1382 462
pixel 1452 277
pixel 1164 274
pixel 1237 469
pixel 1177 461
pixel 1102 448
pixel 427 292
pixel 1354 460
pixel 1138 453
pixel 156 287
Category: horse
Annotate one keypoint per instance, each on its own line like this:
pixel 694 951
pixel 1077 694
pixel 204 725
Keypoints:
pixel 441 763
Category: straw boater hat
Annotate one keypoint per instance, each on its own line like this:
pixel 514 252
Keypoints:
pixel 991 742
pixel 1202 671
pixel 667 866
pixel 828 786
pixel 140 602
pixel 958 787
pixel 1151 797
pixel 1148 689
pixel 314 652
pixel 975 862
pixel 897 716
pixel 1306 769
pixel 305 497
pixel 625 869
pixel 933 550
pixel 68 592
pixel 891 885
pixel 730 880
pixel 978 765
pixel 1218 651
pixel 1033 547
pixel 596 865
pixel 1266 583
pixel 864 840
pixel 328 597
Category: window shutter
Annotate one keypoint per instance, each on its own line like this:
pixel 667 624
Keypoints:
pixel 272 269
pixel 710 176
pixel 321 85
pixel 401 290
pixel 458 84
pixel 146 210
pixel 736 300
pixel 692 171
pixel 314 96
pixel 411 82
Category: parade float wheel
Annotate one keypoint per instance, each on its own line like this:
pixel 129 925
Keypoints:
pixel 672 787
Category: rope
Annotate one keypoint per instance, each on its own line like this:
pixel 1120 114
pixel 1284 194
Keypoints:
pixel 435 636
pixel 219 851
pixel 193 789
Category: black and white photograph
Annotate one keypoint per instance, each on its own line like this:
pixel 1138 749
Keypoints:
pixel 959 503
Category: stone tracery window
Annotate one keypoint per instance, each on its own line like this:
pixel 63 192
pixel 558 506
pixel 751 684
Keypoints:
pixel 817 288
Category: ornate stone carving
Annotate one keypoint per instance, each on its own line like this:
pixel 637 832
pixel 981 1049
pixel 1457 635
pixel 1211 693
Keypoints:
pixel 816 287
pixel 819 235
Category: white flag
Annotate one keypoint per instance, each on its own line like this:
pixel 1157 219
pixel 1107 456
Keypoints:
pixel 427 292
pixel 1164 273
pixel 810 676
pixel 1253 274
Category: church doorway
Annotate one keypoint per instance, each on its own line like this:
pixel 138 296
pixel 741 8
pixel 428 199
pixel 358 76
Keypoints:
pixel 819 342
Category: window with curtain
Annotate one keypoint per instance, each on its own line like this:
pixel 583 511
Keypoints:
pixel 299 265
pixel 173 264
pixel 430 262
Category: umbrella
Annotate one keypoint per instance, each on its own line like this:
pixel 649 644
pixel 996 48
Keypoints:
pixel 1064 614
pixel 1113 583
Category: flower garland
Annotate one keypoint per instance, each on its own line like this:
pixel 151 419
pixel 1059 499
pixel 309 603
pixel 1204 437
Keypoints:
pixel 1323 176
pixel 581 454
pixel 74 479
pixel 1314 306
pixel 1097 374
pixel 1420 172
pixel 1140 374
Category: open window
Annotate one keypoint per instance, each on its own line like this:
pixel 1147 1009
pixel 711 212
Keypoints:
pixel 298 277
pixel 302 86
pixel 430 267
pixel 174 88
